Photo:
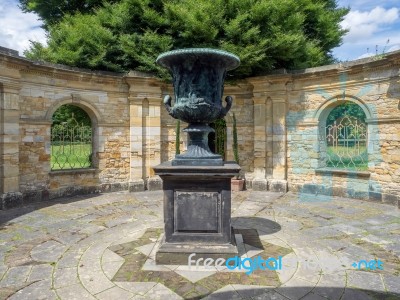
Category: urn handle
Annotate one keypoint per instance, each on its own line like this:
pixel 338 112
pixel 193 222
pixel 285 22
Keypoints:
pixel 167 104
pixel 224 111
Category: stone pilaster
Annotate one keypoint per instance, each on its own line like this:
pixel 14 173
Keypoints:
pixel 270 138
pixel 259 181
pixel 153 145
pixel 145 131
pixel 268 132
pixel 278 182
pixel 9 146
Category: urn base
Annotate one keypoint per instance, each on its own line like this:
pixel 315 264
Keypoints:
pixel 198 152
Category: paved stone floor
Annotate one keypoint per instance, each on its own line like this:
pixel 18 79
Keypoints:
pixel 102 247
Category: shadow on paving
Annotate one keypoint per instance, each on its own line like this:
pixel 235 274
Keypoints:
pixel 262 224
pixel 12 213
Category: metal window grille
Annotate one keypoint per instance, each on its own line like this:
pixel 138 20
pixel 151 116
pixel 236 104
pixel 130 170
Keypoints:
pixel 346 142
pixel 71 145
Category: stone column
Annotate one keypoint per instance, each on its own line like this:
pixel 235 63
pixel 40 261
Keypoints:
pixel 10 195
pixel 145 133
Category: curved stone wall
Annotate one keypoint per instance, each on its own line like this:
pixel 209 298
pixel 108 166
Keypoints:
pixel 278 117
pixel 291 156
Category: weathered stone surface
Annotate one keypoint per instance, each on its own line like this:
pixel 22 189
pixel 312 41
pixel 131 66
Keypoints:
pixel 10 200
pixel 154 184
pixel 136 186
pixel 278 186
pixel 259 184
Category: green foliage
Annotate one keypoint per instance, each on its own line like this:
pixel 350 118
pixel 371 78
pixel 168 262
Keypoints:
pixel 348 108
pixel 88 44
pixel 65 112
pixel 219 126
pixel 178 137
pixel 52 11
pixel 235 141
pixel 130 34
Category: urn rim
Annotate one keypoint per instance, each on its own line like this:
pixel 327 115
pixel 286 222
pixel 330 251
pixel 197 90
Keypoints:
pixel 231 60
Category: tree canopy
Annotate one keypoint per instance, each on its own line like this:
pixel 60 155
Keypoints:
pixel 68 112
pixel 346 109
pixel 125 35
pixel 52 11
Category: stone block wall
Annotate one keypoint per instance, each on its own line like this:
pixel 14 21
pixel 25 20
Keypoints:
pixel 30 94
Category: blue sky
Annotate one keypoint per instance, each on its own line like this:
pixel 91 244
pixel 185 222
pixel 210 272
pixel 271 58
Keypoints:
pixel 371 24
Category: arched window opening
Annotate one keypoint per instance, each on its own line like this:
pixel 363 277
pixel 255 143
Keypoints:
pixel 71 138
pixel 346 138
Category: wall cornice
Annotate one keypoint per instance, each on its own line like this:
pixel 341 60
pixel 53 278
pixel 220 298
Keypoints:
pixel 70 75
pixel 143 87
pixel 371 64
pixel 26 66
pixel 10 85
pixel 55 71
pixel 12 62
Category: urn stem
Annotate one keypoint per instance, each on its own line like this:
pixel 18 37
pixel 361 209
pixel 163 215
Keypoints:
pixel 198 152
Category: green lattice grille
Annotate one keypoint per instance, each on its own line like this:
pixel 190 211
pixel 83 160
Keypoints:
pixel 346 142
pixel 71 145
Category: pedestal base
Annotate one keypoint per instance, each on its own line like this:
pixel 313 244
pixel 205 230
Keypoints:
pixel 197 212
pixel 178 253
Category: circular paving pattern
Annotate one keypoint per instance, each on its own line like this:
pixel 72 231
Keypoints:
pixel 102 247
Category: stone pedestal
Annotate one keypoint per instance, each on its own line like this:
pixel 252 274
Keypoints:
pixel 197 212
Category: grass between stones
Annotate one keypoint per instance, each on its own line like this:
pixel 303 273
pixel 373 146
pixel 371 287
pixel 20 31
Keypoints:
pixel 132 271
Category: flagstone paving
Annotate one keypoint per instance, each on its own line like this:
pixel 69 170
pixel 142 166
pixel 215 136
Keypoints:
pixel 103 246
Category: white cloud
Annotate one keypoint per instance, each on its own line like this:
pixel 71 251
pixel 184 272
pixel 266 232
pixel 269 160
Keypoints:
pixel 363 25
pixel 394 48
pixel 17 28
pixel 370 27
pixel 365 55
pixel 381 50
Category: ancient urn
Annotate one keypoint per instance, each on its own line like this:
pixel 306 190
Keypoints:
pixel 198 80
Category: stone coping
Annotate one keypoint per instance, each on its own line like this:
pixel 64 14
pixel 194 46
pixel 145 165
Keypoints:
pixel 328 171
pixel 73 171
